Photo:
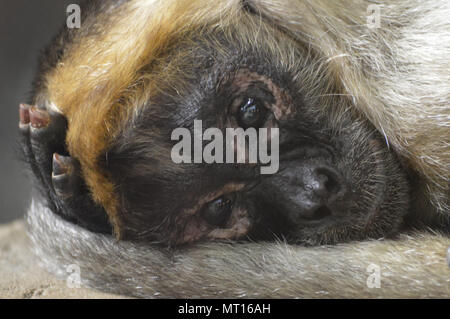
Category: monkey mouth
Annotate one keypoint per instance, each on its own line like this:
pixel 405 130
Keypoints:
pixel 337 201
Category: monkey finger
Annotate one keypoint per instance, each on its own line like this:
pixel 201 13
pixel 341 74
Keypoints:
pixel 24 139
pixel 47 135
pixel 66 180
pixel 24 127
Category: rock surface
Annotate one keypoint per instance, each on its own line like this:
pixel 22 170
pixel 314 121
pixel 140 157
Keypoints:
pixel 21 276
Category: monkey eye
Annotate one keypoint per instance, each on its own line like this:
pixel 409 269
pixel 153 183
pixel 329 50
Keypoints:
pixel 217 212
pixel 251 113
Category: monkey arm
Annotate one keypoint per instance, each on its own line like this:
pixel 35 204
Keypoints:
pixel 412 266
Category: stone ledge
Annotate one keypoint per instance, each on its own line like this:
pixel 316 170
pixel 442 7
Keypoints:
pixel 22 278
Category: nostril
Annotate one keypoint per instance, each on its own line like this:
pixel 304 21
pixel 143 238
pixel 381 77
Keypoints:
pixel 315 214
pixel 322 194
pixel 329 181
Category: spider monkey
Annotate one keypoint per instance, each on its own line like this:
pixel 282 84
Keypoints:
pixel 364 143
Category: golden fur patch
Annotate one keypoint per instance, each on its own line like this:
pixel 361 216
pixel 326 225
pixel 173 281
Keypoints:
pixel 93 83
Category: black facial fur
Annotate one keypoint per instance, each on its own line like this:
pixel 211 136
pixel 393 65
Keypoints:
pixel 332 185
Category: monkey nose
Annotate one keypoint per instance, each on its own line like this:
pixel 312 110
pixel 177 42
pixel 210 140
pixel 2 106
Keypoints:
pixel 322 182
pixel 322 186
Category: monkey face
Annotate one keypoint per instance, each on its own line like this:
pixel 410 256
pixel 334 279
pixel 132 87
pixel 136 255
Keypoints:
pixel 336 179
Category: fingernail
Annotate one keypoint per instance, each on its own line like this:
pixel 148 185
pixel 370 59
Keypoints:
pixel 38 118
pixel 24 114
pixel 61 164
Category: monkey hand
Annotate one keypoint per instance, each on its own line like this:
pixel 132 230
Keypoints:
pixel 57 174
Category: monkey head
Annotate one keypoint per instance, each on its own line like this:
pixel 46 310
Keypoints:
pixel 337 180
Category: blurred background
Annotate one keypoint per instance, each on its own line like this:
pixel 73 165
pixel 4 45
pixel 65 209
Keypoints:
pixel 25 28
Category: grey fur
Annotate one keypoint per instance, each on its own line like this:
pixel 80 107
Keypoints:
pixel 250 270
